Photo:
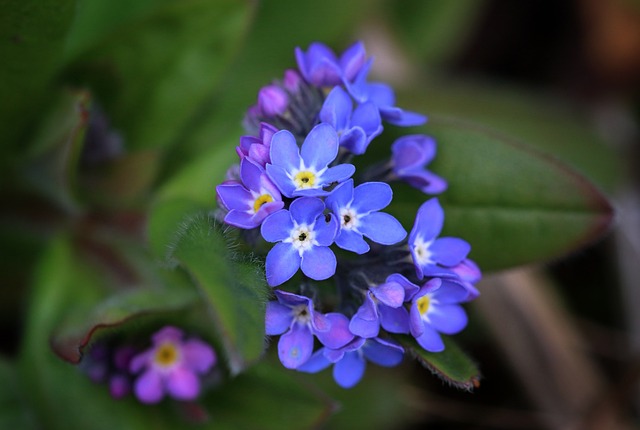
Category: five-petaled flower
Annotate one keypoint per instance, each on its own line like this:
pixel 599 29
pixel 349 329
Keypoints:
pixel 171 366
pixel 303 235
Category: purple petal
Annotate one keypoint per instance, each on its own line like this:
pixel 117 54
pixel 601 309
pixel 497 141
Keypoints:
pixel 383 353
pixel 448 319
pixel 349 371
pixel 272 100
pixel 427 182
pixel 242 220
pixel 394 320
pixel 277 319
pixel 339 173
pixel 408 154
pixel 283 261
pixel 389 293
pixel 305 210
pixel 284 150
pixel 430 340
pixel 183 384
pixel 382 228
pixel 234 196
pixel 401 118
pixel 295 346
pixel 416 325
pixel 364 328
pixel 449 251
pixel 371 196
pixel 140 361
pixel 354 140
pixel 352 241
pixel 119 386
pixel 277 226
pixel 336 109
pixel 281 179
pixel 338 335
pixel 318 262
pixel 352 59
pixel 368 118
pixel 320 147
pixel 429 221
pixel 167 334
pixel 316 363
pixel 450 292
pixel 148 387
pixel 198 355
pixel 410 289
pixel 250 174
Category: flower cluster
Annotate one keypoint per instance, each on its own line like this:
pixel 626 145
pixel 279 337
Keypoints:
pixel 171 366
pixel 295 185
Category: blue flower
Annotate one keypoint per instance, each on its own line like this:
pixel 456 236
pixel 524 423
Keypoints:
pixel 295 318
pixel 321 67
pixel 355 128
pixel 305 171
pixel 430 254
pixel 357 211
pixel 411 154
pixel 249 203
pixel 382 306
pixel 384 98
pixel 349 361
pixel 303 235
pixel 436 309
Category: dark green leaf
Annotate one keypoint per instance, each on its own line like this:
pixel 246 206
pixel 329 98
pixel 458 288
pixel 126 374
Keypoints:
pixel 452 365
pixel 14 412
pixel 512 203
pixel 32 38
pixel 233 285
pixel 154 73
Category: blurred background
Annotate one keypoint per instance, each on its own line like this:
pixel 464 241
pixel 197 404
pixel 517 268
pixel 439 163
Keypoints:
pixel 557 342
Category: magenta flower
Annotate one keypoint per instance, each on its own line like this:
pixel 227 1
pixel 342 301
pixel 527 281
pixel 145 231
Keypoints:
pixel 171 366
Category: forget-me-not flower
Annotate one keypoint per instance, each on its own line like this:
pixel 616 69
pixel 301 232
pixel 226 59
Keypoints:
pixel 321 67
pixel 410 156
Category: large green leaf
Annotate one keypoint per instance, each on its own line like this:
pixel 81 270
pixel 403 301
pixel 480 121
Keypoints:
pixel 452 365
pixel 514 204
pixel 233 285
pixel 32 37
pixel 14 411
pixel 153 74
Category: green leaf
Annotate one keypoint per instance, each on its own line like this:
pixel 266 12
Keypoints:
pixel 154 73
pixel 32 37
pixel 512 203
pixel 451 365
pixel 14 412
pixel 233 286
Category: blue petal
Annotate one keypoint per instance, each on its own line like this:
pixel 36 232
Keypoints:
pixel 449 251
pixel 352 59
pixel 340 197
pixel 318 263
pixel 408 153
pixel 320 147
pixel 349 371
pixel 336 109
pixel 410 289
pixel 338 334
pixel 295 347
pixel 380 94
pixel 282 263
pixel 451 291
pixel 234 196
pixel 277 319
pixel 305 210
pixel 284 150
pixel 416 325
pixel 425 181
pixel 431 340
pixel 241 219
pixel 401 118
pixel 429 221
pixel 354 140
pixel 250 174
pixel 371 196
pixel 367 311
pixel 277 226
pixel 325 230
pixel 281 179
pixel 382 228
pixel 383 353
pixel 364 328
pixel 316 363
pixel 339 173
pixel 352 241
pixel 448 319
pixel 394 320
pixel 389 293
pixel 368 118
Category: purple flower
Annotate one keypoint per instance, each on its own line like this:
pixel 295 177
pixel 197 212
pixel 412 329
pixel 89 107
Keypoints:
pixel 294 317
pixel 257 148
pixel 411 155
pixel 272 100
pixel 321 67
pixel 436 309
pixel 357 211
pixel 349 361
pixel 355 128
pixel 250 202
pixel 383 97
pixel 171 366
pixel 305 171
pixel 429 253
pixel 383 306
pixel 303 234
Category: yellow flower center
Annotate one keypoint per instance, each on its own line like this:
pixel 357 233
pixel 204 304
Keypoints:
pixel 305 179
pixel 423 304
pixel 265 198
pixel 166 354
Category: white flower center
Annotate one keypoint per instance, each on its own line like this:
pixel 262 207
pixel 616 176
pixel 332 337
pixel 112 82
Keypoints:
pixel 349 219
pixel 421 251
pixel 301 314
pixel 302 238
